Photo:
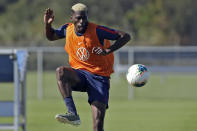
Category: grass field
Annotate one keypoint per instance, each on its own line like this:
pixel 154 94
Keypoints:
pixel 166 103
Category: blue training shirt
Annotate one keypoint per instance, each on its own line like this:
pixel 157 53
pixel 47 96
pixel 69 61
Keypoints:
pixel 101 31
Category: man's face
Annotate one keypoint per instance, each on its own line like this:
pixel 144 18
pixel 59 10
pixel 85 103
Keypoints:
pixel 80 20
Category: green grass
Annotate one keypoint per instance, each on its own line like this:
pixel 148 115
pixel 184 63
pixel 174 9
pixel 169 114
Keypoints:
pixel 137 115
pixel 166 103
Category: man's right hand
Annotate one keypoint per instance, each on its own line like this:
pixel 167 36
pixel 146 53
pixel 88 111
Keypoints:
pixel 48 16
pixel 48 20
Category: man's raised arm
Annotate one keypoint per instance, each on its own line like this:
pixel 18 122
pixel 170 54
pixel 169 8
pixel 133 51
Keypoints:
pixel 48 19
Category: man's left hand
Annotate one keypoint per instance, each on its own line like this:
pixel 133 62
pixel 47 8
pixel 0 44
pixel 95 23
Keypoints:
pixel 100 51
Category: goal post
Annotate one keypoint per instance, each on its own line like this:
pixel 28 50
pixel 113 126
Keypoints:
pixel 13 70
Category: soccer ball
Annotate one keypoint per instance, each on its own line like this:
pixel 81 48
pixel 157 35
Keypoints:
pixel 137 75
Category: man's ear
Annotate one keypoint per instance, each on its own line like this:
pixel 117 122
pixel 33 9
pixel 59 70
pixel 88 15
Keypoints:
pixel 71 18
pixel 71 15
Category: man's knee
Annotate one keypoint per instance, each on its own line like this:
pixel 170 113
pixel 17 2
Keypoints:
pixel 99 105
pixel 67 75
pixel 59 69
pixel 59 72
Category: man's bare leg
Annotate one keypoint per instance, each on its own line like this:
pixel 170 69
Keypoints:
pixel 98 115
pixel 66 78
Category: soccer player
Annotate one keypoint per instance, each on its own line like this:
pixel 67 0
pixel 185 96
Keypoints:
pixel 91 62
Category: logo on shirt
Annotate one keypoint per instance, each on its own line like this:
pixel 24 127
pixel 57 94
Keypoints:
pixel 79 43
pixel 83 54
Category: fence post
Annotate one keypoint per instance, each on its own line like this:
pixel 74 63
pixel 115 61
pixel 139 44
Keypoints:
pixel 116 65
pixel 40 74
pixel 130 62
pixel 16 96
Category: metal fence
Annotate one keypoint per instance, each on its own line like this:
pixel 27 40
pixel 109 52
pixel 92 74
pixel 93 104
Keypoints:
pixel 158 59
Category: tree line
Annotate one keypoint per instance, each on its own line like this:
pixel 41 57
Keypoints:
pixel 150 22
